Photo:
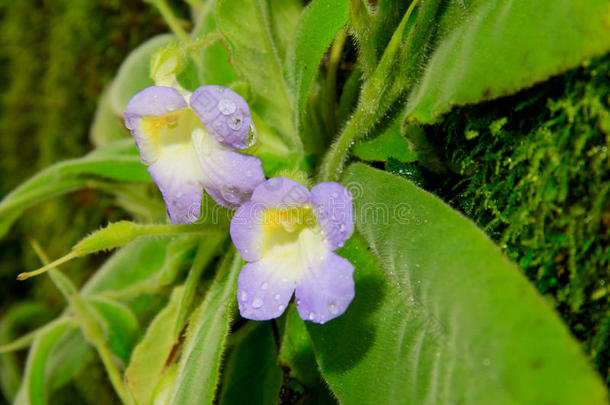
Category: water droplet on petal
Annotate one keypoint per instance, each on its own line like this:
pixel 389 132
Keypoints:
pixel 342 228
pixel 264 286
pixel 243 296
pixel 235 123
pixel 333 309
pixel 335 195
pixel 227 107
pixel 252 135
pixel 298 302
pixel 280 307
pixel 257 303
pixel 312 315
pixel 277 297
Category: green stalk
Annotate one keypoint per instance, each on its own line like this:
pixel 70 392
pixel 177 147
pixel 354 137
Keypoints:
pixel 86 319
pixel 331 78
pixel 375 99
pixel 170 18
pixel 205 252
pixel 115 235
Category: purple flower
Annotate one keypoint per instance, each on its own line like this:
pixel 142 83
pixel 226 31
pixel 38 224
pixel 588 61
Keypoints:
pixel 288 234
pixel 189 142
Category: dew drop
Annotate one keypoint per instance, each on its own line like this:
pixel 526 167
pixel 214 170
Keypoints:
pixel 277 297
pixel 335 195
pixel 243 296
pixel 252 135
pixel 280 307
pixel 312 315
pixel 257 303
pixel 264 286
pixel 342 228
pixel 298 302
pixel 333 309
pixel 486 362
pixel 227 107
pixel 248 173
pixel 235 123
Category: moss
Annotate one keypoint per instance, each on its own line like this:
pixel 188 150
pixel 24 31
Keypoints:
pixel 536 178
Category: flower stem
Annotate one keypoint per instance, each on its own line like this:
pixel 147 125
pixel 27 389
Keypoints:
pixel 331 78
pixel 86 320
pixel 374 99
pixel 170 18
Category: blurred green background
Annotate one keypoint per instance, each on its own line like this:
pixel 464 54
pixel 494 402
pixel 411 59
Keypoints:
pixel 56 58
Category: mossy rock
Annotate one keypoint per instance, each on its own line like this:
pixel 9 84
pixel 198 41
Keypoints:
pixel 533 171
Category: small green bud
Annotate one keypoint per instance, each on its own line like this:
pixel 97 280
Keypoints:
pixel 166 64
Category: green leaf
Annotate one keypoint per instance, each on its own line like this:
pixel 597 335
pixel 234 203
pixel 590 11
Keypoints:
pixel 148 361
pixel 213 62
pixel 297 351
pixel 107 127
pixel 248 28
pixel 134 73
pixel 24 314
pixel 441 314
pixel 33 385
pixel 497 48
pixel 143 265
pixel 209 325
pixel 252 375
pixel 390 144
pixel 119 325
pixel 98 166
pixel 118 234
pixel 318 25
pixel 69 357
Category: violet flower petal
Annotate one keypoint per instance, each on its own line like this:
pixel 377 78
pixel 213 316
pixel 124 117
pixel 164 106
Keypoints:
pixel 247 231
pixel 153 101
pixel 280 192
pixel 230 177
pixel 261 291
pixel 332 204
pixel 326 290
pixel 177 176
pixel 224 113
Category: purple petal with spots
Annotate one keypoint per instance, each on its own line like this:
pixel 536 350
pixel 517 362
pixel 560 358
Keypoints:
pixel 261 293
pixel 332 204
pixel 326 291
pixel 224 113
pixel 230 177
pixel 247 231
pixel 280 192
pixel 153 101
pixel 178 179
